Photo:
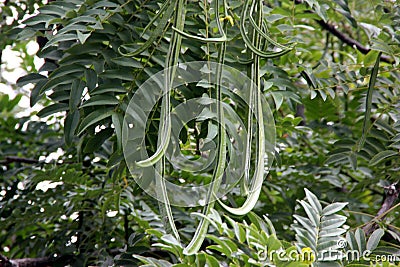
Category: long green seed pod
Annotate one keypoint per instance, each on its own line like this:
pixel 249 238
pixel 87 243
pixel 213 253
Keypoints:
pixel 248 42
pixel 202 228
pixel 201 231
pixel 256 185
pixel 157 33
pixel 165 123
pixel 221 39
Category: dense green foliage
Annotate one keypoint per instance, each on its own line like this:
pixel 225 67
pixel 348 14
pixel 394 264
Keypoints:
pixel 328 69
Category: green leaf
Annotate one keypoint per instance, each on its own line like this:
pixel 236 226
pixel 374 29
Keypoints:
pixel 171 240
pixel 52 109
pixel 41 18
pixel 332 223
pixel 353 160
pixel 333 208
pixel 238 229
pixel 36 92
pixel 337 158
pixel 76 93
pixel 84 20
pixel 306 223
pixel 105 3
pixel 313 200
pixel 360 238
pixel 60 38
pixel 93 118
pixel 73 28
pixel 351 240
pixel 278 99
pixel 324 246
pixel 370 58
pixel 70 124
pixel 121 74
pixel 82 37
pixel 345 11
pixel 127 62
pixel 149 261
pixel 91 79
pixel 306 237
pixel 26 34
pixel 108 88
pixel 331 232
pixel 100 100
pixel 310 78
pixel 3 101
pixel 13 102
pixel 30 78
pixel 382 47
pixel 311 214
pixel 368 102
pixel 228 246
pixel 374 239
pixel 66 69
pixel 53 10
pixel 383 155
pixel 345 143
pixel 212 261
pixel 304 241
pixel 117 120
pixel 96 141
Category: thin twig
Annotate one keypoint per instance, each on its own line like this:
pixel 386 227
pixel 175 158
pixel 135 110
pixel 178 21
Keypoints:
pixel 350 41
pixel 392 194
pixel 347 39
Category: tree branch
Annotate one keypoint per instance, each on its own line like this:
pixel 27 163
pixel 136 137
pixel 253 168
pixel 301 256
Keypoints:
pixel 61 260
pixel 392 194
pixel 350 41
pixel 27 262
pixel 4 261
pixel 11 159
pixel 347 39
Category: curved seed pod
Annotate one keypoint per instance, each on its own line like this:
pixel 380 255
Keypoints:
pixel 368 103
pixel 256 185
pixel 269 39
pixel 246 179
pixel 162 9
pixel 156 33
pixel 221 39
pixel 255 189
pixel 171 62
pixel 247 41
pixel 163 144
pixel 201 39
pixel 202 228
pixel 158 157
pixel 201 231
pixel 244 61
pixel 263 34
pixel 164 205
